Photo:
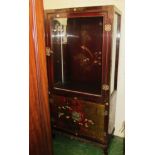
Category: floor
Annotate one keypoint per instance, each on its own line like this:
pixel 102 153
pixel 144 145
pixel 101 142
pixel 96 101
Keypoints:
pixel 64 145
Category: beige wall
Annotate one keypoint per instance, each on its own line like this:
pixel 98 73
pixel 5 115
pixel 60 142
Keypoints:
pixel 55 4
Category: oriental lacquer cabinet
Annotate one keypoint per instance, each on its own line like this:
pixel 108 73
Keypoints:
pixel 82 47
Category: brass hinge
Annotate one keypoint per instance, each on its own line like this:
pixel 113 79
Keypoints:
pixel 105 134
pixel 105 87
pixel 106 103
pixel 107 27
pixel 105 113
pixel 48 51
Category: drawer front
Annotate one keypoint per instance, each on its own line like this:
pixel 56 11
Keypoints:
pixel 79 117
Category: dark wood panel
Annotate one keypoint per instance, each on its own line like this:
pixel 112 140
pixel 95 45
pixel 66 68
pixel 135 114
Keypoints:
pixel 90 9
pixel 40 131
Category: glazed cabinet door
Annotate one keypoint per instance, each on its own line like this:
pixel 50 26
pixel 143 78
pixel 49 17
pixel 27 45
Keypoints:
pixel 77 42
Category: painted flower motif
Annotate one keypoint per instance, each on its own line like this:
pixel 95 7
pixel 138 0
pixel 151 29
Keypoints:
pixel 86 125
pixel 67 117
pixel 74 111
pixel 77 116
pixel 60 114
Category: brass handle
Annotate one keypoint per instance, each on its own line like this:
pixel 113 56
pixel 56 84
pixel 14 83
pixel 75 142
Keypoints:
pixel 48 51
pixel 75 98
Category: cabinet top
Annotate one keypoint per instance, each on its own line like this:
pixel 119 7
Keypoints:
pixel 89 9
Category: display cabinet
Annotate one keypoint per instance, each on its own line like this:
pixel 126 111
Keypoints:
pixel 82 47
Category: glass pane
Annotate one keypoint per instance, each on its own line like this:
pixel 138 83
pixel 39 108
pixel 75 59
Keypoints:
pixel 77 46
pixel 113 54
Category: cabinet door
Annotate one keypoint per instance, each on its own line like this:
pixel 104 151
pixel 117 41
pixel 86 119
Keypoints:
pixel 77 45
pixel 79 117
pixel 92 122
pixel 62 114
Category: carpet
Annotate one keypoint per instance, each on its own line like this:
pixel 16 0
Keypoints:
pixel 64 145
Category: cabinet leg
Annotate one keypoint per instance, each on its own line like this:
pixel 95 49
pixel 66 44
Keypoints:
pixel 105 150
pixel 53 135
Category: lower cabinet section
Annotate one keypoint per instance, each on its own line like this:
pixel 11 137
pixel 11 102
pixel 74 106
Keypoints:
pixel 81 118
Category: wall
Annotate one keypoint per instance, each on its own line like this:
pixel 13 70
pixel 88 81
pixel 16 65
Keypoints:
pixel 120 109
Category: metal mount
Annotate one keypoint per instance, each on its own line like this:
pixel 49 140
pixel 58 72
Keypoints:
pixel 107 27
pixel 48 51
pixel 105 87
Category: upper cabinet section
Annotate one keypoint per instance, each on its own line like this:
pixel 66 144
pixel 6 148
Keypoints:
pixel 81 42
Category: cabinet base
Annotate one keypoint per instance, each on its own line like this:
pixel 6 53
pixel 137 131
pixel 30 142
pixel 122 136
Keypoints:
pixel 104 146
